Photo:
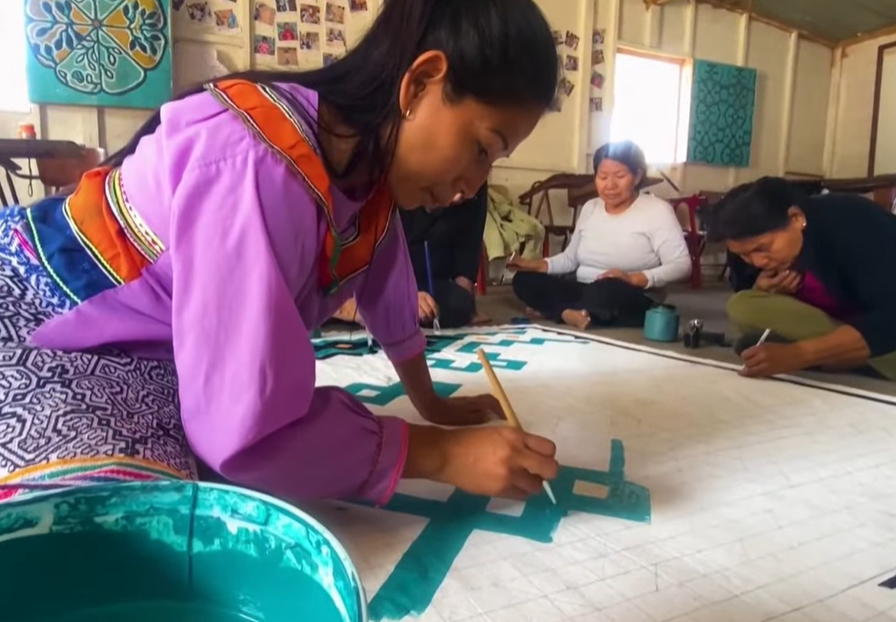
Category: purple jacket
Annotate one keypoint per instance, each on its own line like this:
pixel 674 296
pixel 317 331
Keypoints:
pixel 234 295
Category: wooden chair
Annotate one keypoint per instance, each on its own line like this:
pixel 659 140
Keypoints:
pixel 694 238
pixel 539 196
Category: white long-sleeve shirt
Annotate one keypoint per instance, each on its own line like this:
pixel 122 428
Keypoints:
pixel 646 237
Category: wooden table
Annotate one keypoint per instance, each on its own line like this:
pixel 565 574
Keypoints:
pixel 27 149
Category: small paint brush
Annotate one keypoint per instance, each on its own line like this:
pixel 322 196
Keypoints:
pixel 501 396
pixel 768 331
pixel 432 292
pixel 506 268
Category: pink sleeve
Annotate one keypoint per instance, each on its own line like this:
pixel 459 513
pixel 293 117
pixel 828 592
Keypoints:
pixel 243 243
pixel 387 297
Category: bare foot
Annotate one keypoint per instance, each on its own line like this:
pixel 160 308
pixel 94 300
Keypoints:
pixel 480 320
pixel 348 312
pixel 532 314
pixel 577 319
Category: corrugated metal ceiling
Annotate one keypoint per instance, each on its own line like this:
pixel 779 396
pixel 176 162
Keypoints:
pixel 834 21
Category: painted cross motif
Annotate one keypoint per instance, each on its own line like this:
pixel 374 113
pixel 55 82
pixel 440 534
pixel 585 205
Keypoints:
pixel 416 578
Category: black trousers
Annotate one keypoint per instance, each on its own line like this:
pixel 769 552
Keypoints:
pixel 456 305
pixel 609 302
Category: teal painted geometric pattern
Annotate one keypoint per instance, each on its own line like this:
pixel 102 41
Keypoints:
pixel 412 584
pixel 721 122
pixel 98 52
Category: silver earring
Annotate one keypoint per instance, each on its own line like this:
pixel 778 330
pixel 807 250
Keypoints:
pixel 407 114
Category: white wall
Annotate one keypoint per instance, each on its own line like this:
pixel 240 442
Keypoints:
pixel 853 92
pixel 793 75
pixel 794 80
pixel 792 89
pixel 885 145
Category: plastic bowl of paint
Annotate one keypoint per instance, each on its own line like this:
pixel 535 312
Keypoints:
pixel 172 552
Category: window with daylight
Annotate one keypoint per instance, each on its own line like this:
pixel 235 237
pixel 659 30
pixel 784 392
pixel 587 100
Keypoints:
pixel 14 90
pixel 649 106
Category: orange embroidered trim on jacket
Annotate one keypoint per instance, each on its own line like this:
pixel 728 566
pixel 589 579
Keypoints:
pixel 273 122
pixel 94 222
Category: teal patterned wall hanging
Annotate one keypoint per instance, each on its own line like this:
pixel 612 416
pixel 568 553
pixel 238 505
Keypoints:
pixel 721 124
pixel 113 53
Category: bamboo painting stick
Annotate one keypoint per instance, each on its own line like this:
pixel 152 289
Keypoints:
pixel 501 396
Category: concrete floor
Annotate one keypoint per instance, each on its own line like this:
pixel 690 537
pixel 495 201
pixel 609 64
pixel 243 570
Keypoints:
pixel 707 304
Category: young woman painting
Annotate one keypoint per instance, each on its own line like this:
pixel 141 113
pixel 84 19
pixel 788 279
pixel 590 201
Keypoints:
pixel 242 215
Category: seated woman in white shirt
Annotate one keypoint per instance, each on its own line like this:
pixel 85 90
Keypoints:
pixel 627 246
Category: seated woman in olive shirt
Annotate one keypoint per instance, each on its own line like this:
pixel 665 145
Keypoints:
pixel 819 272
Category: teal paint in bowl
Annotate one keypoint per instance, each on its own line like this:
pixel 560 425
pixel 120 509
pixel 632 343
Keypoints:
pixel 171 552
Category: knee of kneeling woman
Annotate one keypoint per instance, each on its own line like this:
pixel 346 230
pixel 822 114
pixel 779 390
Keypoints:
pixel 458 311
pixel 521 283
pixel 741 307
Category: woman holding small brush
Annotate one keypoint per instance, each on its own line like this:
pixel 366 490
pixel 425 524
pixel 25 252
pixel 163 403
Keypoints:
pixel 233 224
pixel 823 294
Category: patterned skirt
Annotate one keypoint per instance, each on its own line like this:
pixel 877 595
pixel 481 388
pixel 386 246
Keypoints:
pixel 75 418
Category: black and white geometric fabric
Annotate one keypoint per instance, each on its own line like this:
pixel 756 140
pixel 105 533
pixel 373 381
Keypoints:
pixel 75 417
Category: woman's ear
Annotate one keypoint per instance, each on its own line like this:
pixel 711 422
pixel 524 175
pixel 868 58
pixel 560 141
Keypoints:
pixel 796 216
pixel 639 177
pixel 429 68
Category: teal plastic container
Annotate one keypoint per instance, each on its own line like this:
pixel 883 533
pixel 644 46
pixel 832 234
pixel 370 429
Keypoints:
pixel 661 324
pixel 171 552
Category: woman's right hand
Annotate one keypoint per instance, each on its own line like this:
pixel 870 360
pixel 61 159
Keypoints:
pixel 527 265
pixel 785 282
pixel 493 461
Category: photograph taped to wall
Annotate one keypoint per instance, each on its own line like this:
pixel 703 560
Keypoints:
pixel 597 79
pixel 309 41
pixel 329 59
pixel 199 12
pixel 286 6
pixel 193 17
pixel 226 21
pixel 78 55
pixel 309 14
pixel 571 63
pixel 566 87
pixel 335 13
pixel 335 37
pixel 572 40
pixel 265 13
pixel 287 57
pixel 287 31
pixel 597 57
pixel 264 46
pixel 357 6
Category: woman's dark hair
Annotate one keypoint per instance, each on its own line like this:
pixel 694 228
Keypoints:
pixel 751 209
pixel 625 152
pixel 500 52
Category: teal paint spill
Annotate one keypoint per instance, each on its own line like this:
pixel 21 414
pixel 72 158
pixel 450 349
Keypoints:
pixel 416 578
pixel 436 344
pixel 174 551
pixel 378 395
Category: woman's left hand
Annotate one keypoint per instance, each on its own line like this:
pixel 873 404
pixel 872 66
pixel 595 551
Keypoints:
pixel 464 410
pixel 771 359
pixel 636 279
